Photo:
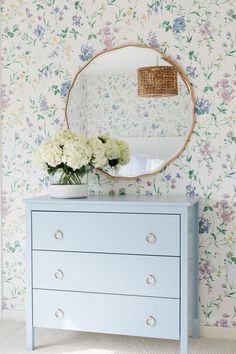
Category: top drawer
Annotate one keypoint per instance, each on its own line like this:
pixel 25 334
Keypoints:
pixel 154 234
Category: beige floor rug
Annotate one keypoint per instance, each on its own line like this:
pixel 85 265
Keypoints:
pixel 12 341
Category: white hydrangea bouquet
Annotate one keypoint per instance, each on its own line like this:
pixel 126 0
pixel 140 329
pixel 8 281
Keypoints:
pixel 72 156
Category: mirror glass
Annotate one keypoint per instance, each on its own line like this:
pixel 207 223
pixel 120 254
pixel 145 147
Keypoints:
pixel 103 100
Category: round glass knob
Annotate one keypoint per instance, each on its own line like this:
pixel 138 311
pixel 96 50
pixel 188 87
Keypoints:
pixel 58 274
pixel 59 314
pixel 58 235
pixel 150 321
pixel 151 238
pixel 150 280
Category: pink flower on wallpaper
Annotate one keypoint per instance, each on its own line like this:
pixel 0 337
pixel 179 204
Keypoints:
pixel 224 211
pixel 206 30
pixel 225 88
pixel 107 35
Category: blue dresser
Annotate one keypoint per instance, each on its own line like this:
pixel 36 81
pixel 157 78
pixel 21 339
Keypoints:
pixel 123 265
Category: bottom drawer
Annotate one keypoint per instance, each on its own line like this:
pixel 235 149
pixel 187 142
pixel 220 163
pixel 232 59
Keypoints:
pixel 118 314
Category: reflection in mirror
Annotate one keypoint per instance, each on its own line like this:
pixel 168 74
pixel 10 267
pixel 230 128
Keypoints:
pixel 103 100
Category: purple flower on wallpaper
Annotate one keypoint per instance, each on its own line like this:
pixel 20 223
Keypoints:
pixel 202 105
pixel 191 71
pixel 224 211
pixel 154 7
pixel 205 270
pixel 221 323
pixel 39 31
pixel 204 225
pixel 43 104
pixel 86 52
pixel 64 88
pixel 206 30
pixel 107 35
pixel 225 88
pixel 152 39
pixel 77 21
pixel 191 191
pixel 179 24
pixel 206 151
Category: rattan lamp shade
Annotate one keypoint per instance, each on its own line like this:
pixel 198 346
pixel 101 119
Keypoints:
pixel 157 81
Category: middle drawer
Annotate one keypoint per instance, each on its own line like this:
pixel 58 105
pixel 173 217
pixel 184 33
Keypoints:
pixel 107 273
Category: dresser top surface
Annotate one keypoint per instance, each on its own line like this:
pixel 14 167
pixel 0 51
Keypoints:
pixel 177 200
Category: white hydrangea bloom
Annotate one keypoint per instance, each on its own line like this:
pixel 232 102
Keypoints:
pixel 39 161
pixel 99 159
pixel 50 153
pixel 64 135
pixel 76 153
pixel 112 149
pixel 124 152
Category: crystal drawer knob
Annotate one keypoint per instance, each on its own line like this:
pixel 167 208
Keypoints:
pixel 150 321
pixel 150 280
pixel 59 314
pixel 58 274
pixel 151 238
pixel 58 235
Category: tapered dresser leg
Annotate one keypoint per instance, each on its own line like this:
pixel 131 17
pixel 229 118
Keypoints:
pixel 184 345
pixel 30 338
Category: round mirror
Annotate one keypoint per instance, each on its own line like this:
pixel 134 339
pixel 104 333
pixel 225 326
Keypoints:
pixel 137 94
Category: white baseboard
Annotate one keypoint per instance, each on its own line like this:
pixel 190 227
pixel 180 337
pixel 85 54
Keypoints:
pixel 11 315
pixel 218 332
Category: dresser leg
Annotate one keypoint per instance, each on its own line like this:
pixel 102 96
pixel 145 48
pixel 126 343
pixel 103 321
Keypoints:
pixel 184 345
pixel 30 338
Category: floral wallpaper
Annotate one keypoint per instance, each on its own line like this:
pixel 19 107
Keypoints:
pixel 45 42
pixel 109 104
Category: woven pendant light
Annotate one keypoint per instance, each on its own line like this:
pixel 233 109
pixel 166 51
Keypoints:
pixel 157 81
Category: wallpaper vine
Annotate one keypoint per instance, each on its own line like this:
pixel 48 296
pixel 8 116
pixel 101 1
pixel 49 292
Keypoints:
pixel 44 43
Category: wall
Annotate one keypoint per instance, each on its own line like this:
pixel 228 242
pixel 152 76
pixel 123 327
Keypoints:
pixel 44 42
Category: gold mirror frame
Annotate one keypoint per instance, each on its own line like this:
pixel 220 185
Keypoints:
pixel 182 75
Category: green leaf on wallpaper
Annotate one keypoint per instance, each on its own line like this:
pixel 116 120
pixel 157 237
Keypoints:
pixel 233 259
pixel 77 5
pixel 10 34
pixel 190 174
pixel 191 55
pixel 208 88
pixel 39 7
pixel 189 39
pixel 167 26
pixel 233 139
pixel 207 208
pixel 170 7
pixel 64 33
pixel 231 53
pixel 92 35
pixel 189 158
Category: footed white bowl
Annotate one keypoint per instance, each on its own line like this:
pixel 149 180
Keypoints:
pixel 68 190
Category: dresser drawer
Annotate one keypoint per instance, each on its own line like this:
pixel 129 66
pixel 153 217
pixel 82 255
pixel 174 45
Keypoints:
pixel 139 316
pixel 154 234
pixel 107 273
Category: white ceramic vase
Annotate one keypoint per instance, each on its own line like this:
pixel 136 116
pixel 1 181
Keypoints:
pixel 67 191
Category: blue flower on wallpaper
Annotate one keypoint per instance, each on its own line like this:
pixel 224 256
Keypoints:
pixel 179 25
pixel 204 225
pixel 86 52
pixel 39 31
pixel 77 20
pixel 191 191
pixel 64 88
pixel 202 105
pixel 152 39
pixel 191 71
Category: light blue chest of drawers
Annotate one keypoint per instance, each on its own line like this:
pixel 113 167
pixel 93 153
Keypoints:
pixel 123 265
